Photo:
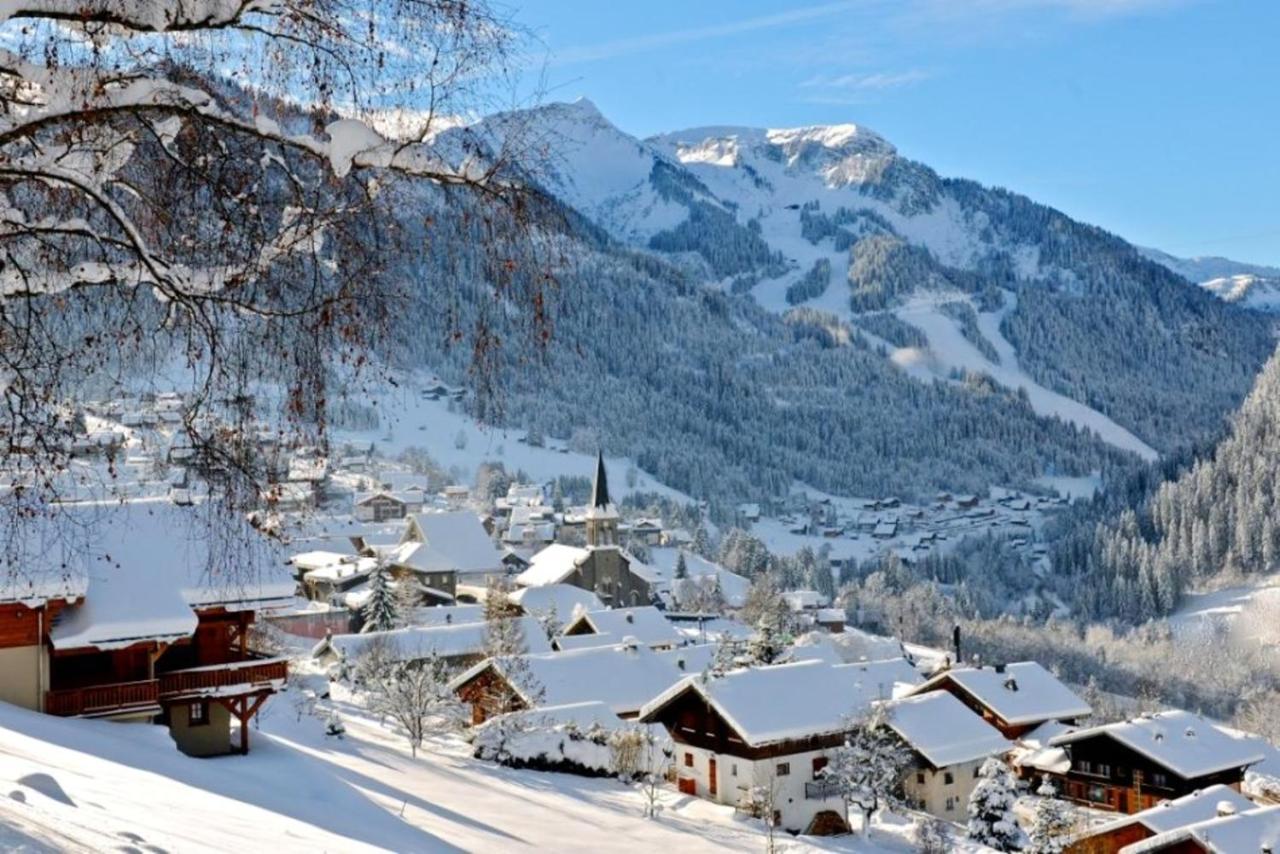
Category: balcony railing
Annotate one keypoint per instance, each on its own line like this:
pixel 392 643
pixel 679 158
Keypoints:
pixel 101 699
pixel 121 697
pixel 199 679
pixel 821 790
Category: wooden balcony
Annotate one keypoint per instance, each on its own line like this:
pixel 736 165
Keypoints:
pixel 239 674
pixel 115 698
pixel 124 697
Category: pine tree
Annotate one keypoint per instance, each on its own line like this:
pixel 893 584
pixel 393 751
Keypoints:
pixel 408 599
pixel 381 611
pixel 1051 824
pixel 991 818
pixel 682 568
pixel 767 644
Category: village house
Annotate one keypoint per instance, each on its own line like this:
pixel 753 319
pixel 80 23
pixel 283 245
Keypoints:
pixel 646 624
pixel 1199 806
pixel 325 576
pixel 950 744
pixel 443 550
pixel 734 738
pixel 384 505
pixel 1132 765
pixel 459 644
pixel 623 676
pixel 135 620
pixel 1254 832
pixel 1014 698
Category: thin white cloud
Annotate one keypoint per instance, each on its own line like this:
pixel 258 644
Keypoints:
pixel 874 81
pixel 642 44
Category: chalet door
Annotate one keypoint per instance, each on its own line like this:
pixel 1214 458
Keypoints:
pixel 711 773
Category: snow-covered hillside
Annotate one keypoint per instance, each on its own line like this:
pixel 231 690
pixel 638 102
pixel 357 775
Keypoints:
pixel 83 785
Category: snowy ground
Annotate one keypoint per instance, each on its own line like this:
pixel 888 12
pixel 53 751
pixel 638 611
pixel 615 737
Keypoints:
pixel 410 420
pixel 72 785
pixel 1244 613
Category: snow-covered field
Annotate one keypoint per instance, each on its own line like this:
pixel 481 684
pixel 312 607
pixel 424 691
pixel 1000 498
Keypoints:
pixel 76 785
pixel 460 444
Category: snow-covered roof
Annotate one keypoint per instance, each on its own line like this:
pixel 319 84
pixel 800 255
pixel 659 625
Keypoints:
pixel 944 730
pixel 565 599
pixel 802 600
pixel 446 641
pixel 448 615
pixel 339 570
pixel 306 561
pixel 1201 805
pixel 690 659
pixel 645 623
pixel 1257 830
pixel 1024 693
pixel 714 628
pixel 141 568
pixel 1186 744
pixel 569 642
pixel 765 705
pixel 1035 751
pixel 448 540
pixel 551 565
pixel 624 677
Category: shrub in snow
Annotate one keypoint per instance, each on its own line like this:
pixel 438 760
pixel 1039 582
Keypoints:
pixel 523 741
pixel 334 726
pixel 1051 824
pixel 931 835
pixel 991 818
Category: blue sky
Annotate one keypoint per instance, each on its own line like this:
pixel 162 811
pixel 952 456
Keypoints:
pixel 1157 119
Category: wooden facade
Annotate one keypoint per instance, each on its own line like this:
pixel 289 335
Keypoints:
pixel 1107 774
pixel 693 721
pixel 145 679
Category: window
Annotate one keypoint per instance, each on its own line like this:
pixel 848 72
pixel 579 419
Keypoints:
pixel 198 713
pixel 688 760
pixel 1103 769
pixel 784 768
pixel 1097 794
pixel 733 770
pixel 819 762
pixel 948 778
pixel 977 771
pixel 1159 778
pixel 951 804
pixel 920 778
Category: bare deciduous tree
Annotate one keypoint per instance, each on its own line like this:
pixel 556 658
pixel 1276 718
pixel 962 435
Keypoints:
pixel 196 191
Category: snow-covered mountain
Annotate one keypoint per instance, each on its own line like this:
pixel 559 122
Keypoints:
pixel 947 276
pixel 1249 285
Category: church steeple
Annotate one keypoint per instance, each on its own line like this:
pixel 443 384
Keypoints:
pixel 600 486
pixel 601 516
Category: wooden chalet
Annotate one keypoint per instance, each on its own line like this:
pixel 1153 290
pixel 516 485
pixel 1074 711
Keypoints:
pixel 736 732
pixel 134 628
pixel 1203 805
pixel 1133 765
pixel 623 677
pixel 1014 698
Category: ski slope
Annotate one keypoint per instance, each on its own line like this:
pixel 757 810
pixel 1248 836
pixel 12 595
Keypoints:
pixel 950 349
